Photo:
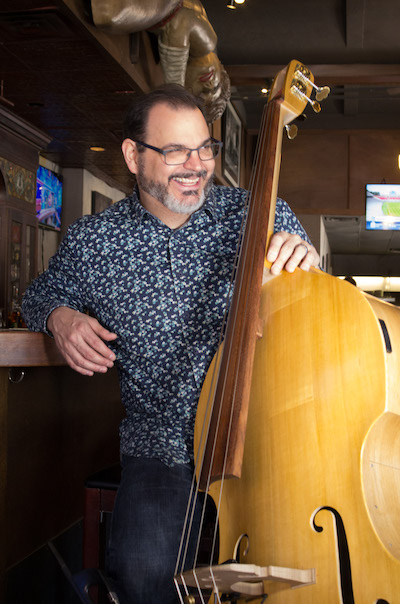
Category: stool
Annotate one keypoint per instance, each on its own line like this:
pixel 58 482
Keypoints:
pixel 100 493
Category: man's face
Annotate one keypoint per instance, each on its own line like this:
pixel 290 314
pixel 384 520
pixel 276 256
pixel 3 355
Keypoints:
pixel 181 189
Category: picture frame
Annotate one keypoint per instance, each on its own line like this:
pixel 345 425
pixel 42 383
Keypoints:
pixel 100 202
pixel 231 151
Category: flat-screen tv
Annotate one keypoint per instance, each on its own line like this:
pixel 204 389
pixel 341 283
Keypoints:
pixel 383 207
pixel 48 198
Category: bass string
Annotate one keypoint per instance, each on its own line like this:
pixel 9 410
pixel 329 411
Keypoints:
pixel 253 217
pixel 199 461
pixel 194 488
pixel 248 219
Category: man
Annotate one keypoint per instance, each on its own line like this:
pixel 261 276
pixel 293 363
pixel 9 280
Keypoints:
pixel 154 269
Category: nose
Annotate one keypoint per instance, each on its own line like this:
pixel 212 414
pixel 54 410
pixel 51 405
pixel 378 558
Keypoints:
pixel 194 162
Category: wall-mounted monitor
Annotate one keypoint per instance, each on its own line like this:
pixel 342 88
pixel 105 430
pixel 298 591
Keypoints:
pixel 48 198
pixel 383 207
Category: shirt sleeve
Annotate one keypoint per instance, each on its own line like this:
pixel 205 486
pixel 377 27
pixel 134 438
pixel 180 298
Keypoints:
pixel 62 284
pixel 286 220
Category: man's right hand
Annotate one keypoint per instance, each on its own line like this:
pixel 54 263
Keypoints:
pixel 80 339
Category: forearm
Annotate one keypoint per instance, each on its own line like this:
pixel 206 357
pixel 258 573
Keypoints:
pixel 40 301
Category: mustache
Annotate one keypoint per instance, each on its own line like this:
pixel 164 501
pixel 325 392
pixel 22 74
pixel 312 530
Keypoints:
pixel 200 174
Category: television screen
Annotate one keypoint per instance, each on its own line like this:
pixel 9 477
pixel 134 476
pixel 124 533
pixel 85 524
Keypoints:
pixel 48 198
pixel 383 207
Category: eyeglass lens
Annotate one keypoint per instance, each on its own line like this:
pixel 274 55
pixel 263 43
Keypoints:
pixel 180 156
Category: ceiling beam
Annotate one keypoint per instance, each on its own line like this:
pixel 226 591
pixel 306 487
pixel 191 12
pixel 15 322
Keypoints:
pixel 351 100
pixel 331 75
pixel 355 23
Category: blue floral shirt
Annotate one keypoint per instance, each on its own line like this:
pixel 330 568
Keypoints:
pixel 163 291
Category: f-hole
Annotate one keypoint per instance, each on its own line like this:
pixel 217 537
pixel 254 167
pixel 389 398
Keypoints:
pixel 388 345
pixel 346 582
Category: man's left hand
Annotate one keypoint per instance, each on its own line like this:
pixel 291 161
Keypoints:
pixel 287 251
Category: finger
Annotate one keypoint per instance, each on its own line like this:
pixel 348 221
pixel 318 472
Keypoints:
pixel 83 364
pixel 293 252
pixel 86 351
pixel 88 336
pixel 96 345
pixel 275 245
pixel 287 253
pixel 311 259
pixel 92 353
pixel 298 257
pixel 101 331
pixel 83 370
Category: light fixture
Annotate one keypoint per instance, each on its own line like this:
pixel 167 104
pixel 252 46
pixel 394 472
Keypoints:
pixel 231 4
pixel 399 161
pixel 239 1
pixel 264 90
pixel 99 149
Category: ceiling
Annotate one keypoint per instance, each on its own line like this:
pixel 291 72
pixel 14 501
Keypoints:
pixel 58 75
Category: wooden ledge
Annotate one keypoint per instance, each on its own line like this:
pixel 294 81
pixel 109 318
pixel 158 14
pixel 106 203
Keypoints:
pixel 23 348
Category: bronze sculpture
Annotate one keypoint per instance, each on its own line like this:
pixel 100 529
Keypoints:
pixel 186 42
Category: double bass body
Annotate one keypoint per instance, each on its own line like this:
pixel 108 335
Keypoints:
pixel 320 482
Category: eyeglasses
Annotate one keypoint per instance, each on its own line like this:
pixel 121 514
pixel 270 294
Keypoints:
pixel 180 155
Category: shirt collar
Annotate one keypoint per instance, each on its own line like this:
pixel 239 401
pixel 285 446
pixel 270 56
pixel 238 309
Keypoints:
pixel 210 206
pixel 138 211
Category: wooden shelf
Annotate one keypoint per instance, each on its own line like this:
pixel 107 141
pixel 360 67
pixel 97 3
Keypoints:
pixel 23 348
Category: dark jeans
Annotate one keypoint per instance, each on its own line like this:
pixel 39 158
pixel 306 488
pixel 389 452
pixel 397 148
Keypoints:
pixel 146 527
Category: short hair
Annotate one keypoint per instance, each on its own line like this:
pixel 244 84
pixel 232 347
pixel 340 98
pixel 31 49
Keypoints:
pixel 174 95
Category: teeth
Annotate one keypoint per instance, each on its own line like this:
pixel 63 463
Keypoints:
pixel 189 181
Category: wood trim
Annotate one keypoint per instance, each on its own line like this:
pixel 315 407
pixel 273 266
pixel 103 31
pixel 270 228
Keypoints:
pixel 20 128
pixel 22 348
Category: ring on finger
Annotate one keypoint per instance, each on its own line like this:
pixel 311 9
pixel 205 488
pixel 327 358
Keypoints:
pixel 305 247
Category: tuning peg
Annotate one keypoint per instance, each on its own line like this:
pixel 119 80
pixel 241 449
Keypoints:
pixel 321 93
pixel 298 88
pixel 291 131
pixel 315 105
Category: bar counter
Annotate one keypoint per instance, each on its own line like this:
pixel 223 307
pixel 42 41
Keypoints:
pixel 56 428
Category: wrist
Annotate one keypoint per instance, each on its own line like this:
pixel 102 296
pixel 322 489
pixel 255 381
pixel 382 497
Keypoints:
pixel 53 316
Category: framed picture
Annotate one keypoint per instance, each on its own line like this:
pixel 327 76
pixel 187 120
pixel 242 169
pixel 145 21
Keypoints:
pixel 232 138
pixel 100 202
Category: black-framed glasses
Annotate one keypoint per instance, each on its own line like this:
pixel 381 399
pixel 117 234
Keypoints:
pixel 179 155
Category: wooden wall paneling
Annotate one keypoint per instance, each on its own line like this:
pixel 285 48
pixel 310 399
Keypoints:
pixel 56 428
pixel 325 172
pixel 373 157
pixel 61 427
pixel 314 172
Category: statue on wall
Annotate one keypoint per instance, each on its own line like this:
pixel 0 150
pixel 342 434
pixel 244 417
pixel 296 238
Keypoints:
pixel 186 43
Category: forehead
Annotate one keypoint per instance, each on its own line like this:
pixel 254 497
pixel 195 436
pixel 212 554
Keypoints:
pixel 182 125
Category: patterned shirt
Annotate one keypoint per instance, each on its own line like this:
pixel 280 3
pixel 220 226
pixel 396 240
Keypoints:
pixel 163 292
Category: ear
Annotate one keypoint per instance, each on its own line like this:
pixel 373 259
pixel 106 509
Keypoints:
pixel 130 151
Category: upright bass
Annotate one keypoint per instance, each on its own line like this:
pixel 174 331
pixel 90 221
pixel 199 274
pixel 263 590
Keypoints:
pixel 297 435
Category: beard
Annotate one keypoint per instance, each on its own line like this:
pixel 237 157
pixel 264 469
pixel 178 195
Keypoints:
pixel 162 194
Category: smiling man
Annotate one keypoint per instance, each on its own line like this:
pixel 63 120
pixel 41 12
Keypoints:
pixel 145 284
pixel 172 178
